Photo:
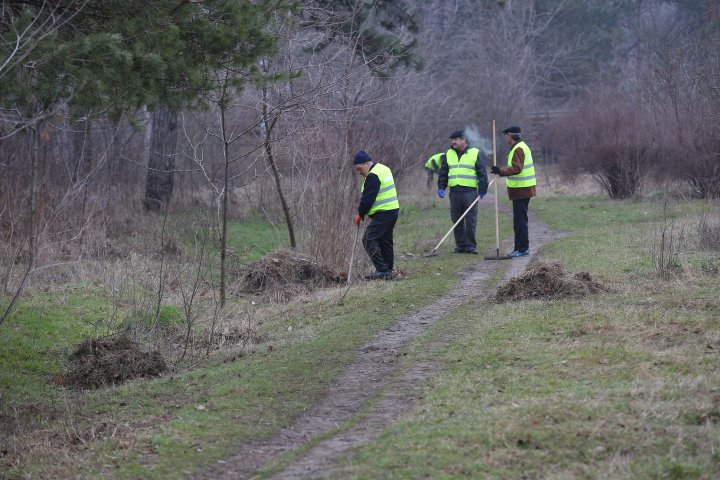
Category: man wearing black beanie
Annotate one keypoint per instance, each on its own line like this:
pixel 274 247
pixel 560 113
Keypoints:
pixel 379 201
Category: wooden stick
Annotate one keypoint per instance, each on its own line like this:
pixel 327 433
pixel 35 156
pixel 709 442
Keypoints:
pixel 497 222
pixel 352 255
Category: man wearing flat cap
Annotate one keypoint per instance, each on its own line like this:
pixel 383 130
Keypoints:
pixel 520 180
pixel 379 201
pixel 462 169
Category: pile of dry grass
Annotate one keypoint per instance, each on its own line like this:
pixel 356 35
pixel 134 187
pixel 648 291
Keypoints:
pixel 288 272
pixel 110 361
pixel 548 281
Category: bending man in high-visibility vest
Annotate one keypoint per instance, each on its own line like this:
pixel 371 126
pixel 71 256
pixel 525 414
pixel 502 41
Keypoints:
pixel 433 166
pixel 462 169
pixel 520 180
pixel 379 201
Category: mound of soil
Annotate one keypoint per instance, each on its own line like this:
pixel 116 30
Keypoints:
pixel 111 361
pixel 290 272
pixel 548 281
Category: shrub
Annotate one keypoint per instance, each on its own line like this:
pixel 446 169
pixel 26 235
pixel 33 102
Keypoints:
pixel 702 166
pixel 608 135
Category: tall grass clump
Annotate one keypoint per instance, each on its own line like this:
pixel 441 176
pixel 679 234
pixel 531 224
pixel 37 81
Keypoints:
pixel 665 246
pixel 709 233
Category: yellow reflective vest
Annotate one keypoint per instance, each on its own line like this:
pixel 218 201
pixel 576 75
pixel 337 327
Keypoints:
pixel 433 162
pixel 462 171
pixel 526 176
pixel 386 198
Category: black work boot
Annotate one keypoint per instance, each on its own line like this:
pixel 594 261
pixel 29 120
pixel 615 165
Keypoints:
pixel 379 276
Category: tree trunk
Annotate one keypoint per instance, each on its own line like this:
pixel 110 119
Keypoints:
pixel 267 130
pixel 81 150
pixel 161 163
pixel 32 214
pixel 225 193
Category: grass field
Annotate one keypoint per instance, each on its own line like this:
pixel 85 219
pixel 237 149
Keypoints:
pixel 182 422
pixel 620 385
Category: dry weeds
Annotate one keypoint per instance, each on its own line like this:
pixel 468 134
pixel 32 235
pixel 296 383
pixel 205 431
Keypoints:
pixel 709 233
pixel 288 273
pixel 548 281
pixel 110 361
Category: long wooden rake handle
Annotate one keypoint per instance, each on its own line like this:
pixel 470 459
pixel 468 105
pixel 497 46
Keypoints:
pixel 459 220
pixel 497 223
pixel 352 255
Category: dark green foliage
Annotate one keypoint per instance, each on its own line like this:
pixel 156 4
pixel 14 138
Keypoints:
pixel 119 55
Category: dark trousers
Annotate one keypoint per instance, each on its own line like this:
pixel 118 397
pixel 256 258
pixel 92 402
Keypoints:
pixel 378 240
pixel 520 223
pixel 460 200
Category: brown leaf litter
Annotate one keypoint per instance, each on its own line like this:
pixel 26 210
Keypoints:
pixel 289 272
pixel 110 361
pixel 548 281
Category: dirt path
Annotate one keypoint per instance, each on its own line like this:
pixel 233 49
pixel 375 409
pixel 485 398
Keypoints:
pixel 371 380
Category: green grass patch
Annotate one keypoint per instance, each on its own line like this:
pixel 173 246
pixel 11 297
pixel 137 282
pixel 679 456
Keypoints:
pixel 621 385
pixel 253 239
pixel 183 422
pixel 37 340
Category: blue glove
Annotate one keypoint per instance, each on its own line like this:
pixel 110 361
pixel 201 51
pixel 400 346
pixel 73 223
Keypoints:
pixel 481 195
pixel 441 193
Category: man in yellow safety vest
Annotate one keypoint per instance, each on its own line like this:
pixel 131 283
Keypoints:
pixel 520 180
pixel 433 166
pixel 379 201
pixel 463 171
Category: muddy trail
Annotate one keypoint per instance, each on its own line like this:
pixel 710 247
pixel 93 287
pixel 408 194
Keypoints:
pixel 372 385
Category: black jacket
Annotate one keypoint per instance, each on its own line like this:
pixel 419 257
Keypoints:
pixel 372 187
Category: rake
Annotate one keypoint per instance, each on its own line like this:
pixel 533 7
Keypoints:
pixel 434 252
pixel 352 255
pixel 497 223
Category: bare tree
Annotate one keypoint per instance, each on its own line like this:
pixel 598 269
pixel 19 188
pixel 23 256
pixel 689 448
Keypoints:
pixel 47 211
pixel 676 76
pixel 233 167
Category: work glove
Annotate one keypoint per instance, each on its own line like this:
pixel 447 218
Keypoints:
pixel 441 192
pixel 359 218
pixel 495 169
pixel 481 194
